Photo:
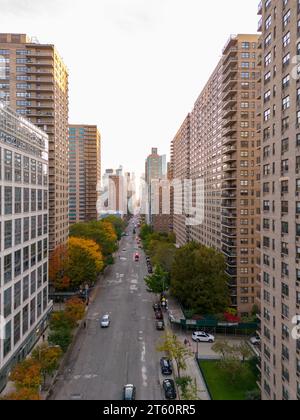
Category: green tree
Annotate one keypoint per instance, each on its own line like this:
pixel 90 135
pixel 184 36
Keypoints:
pixel 223 348
pixel 61 337
pixel 244 351
pixel 61 321
pixel 176 350
pixel 201 270
pixel 145 231
pixel 188 388
pixel 158 281
pixel 163 254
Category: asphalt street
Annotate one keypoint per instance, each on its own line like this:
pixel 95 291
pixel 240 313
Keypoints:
pixel 103 361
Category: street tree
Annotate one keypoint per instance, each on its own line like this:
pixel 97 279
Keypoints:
pixel 48 358
pixel 176 350
pixel 75 309
pixel 27 374
pixel 23 394
pixel 201 270
pixel 158 281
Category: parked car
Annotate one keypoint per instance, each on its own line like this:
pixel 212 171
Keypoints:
pixel 166 367
pixel 255 340
pixel 169 389
pixel 129 393
pixel 150 270
pixel 157 307
pixel 159 315
pixel 202 337
pixel 160 326
pixel 105 321
pixel 137 257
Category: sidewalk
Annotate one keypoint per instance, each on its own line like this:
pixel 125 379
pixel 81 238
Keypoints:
pixel 193 369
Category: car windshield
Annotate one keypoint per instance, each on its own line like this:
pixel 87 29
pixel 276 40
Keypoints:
pixel 128 393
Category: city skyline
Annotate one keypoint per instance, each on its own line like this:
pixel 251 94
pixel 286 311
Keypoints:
pixel 142 39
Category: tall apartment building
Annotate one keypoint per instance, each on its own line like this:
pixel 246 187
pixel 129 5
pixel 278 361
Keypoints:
pixel 34 82
pixel 180 171
pixel 223 152
pixel 155 172
pixel 24 305
pixel 280 191
pixel 84 172
pixel 240 204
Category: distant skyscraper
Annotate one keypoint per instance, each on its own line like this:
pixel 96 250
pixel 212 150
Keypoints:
pixel 84 172
pixel 155 171
pixel 24 305
pixel 34 82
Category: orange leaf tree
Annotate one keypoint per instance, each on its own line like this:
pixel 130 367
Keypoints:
pixel 27 374
pixel 23 394
pixel 48 358
pixel 85 261
pixel 75 309
pixel 58 268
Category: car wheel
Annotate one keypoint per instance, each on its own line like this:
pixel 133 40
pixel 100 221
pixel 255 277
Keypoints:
pixel 211 341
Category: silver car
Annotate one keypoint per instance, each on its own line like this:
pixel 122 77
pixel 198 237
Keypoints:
pixel 105 321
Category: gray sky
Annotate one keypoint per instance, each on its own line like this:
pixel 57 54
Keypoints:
pixel 136 66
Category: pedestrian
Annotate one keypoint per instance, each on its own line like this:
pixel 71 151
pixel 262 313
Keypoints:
pixel 185 342
pixel 84 325
pixel 44 338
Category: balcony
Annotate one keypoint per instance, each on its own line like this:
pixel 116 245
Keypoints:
pixel 229 177
pixel 231 262
pixel 229 242
pixel 229 214
pixel 229 204
pixel 230 225
pixel 229 158
pixel 260 25
pixel 260 9
pixel 229 234
pixel 230 168
pixel 230 85
pixel 231 272
pixel 229 132
pixel 228 195
pixel 230 64
pixel 229 113
pixel 229 186
pixel 229 149
pixel 230 94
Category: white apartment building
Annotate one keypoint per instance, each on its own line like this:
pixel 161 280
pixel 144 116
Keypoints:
pixel 24 305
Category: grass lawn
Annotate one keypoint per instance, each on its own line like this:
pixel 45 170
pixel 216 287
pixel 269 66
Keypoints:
pixel 220 387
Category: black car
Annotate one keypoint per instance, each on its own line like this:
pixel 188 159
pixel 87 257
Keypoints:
pixel 150 270
pixel 166 367
pixel 170 390
pixel 157 307
pixel 129 393
pixel 160 326
pixel 159 315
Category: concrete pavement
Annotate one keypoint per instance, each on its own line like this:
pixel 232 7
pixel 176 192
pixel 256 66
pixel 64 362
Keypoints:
pixel 103 361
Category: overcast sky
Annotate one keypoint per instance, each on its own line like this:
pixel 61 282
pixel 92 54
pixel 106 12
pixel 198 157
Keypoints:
pixel 136 66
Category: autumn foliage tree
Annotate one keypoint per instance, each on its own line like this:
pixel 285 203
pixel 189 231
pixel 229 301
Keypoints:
pixel 102 232
pixel 48 358
pixel 27 374
pixel 85 261
pixel 75 309
pixel 23 394
pixel 76 264
pixel 58 268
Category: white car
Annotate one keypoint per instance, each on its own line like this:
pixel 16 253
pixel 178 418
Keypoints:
pixel 255 340
pixel 202 337
pixel 105 321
